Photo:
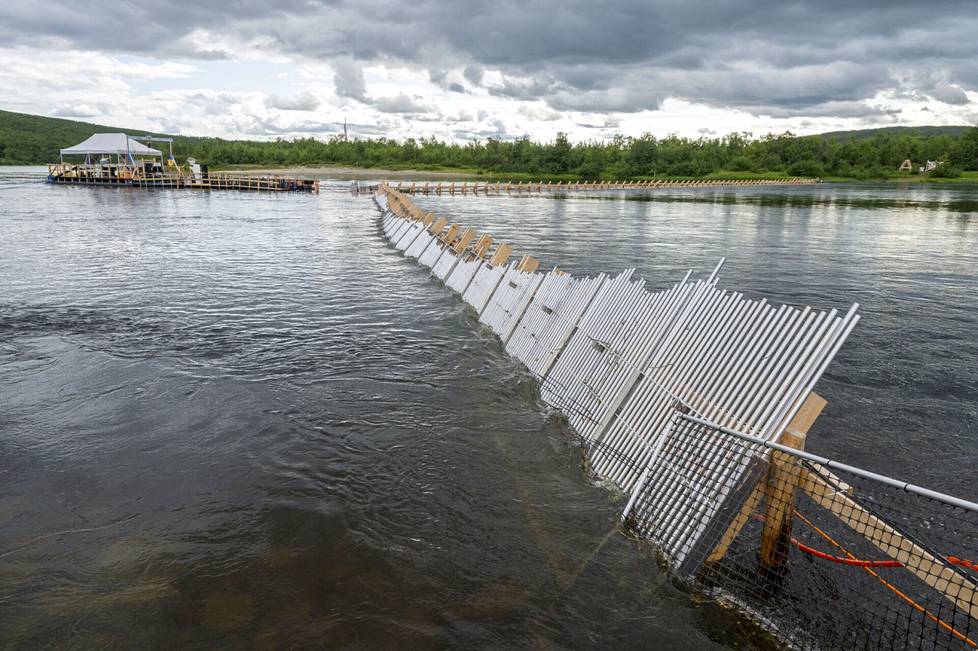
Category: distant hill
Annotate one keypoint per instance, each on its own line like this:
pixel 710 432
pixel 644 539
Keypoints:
pixel 866 134
pixel 34 139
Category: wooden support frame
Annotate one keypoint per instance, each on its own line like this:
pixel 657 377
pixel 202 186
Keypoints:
pixel 828 493
pixel 500 255
pixel 783 477
pixel 800 424
pixel 528 264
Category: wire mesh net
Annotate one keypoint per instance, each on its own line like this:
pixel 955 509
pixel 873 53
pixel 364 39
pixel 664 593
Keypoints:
pixel 823 555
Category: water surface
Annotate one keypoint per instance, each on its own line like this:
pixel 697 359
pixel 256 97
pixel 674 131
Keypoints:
pixel 244 420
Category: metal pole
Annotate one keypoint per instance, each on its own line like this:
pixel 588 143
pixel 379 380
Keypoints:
pixel 950 500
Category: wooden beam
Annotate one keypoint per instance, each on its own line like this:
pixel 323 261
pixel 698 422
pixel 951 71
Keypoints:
pixel 438 226
pixel 528 264
pixel 464 240
pixel 481 247
pixel 925 566
pixel 501 255
pixel 449 234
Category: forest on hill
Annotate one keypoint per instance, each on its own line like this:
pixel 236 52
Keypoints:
pixel 30 139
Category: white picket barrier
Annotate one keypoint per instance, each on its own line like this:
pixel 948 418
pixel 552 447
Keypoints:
pixel 507 304
pixel 679 395
pixel 446 263
pixel 389 222
pixel 409 234
pixel 429 257
pixel 550 319
pixel 462 274
pixel 420 243
pixel 606 348
pixel 484 283
pixel 398 229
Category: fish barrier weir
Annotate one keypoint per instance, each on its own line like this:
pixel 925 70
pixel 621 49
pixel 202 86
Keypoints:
pixel 539 187
pixel 695 402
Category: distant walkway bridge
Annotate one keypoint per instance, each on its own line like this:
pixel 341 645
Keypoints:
pixel 540 187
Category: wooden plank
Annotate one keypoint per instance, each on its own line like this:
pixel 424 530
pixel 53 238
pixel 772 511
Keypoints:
pixel 528 264
pixel 481 247
pixel 464 240
pixel 501 255
pixel 449 234
pixel 438 226
pixel 924 565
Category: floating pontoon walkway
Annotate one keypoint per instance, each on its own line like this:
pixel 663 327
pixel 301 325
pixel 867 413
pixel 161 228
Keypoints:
pixel 486 187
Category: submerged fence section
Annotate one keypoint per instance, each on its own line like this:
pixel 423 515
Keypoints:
pixel 695 401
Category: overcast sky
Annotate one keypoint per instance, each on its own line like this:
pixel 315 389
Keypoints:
pixel 463 70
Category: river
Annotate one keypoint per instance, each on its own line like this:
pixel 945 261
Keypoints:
pixel 244 420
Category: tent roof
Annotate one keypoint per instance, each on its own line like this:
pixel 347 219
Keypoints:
pixel 111 143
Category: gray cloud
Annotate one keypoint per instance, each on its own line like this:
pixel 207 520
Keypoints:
pixel 304 101
pixel 817 59
pixel 949 94
pixel 348 79
pixel 473 73
pixel 79 111
pixel 398 104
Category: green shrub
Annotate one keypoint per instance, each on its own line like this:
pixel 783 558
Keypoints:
pixel 945 171
pixel 808 167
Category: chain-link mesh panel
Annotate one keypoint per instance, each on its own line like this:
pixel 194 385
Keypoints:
pixel 823 554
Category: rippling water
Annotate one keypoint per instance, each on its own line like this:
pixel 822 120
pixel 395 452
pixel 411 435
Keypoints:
pixel 245 421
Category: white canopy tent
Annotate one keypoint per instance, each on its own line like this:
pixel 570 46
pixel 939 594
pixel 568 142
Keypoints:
pixel 112 143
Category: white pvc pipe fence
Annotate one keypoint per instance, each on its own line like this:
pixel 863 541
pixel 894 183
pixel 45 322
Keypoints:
pixel 618 359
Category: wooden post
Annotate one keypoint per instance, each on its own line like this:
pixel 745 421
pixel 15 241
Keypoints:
pixel 481 247
pixel 464 240
pixel 803 420
pixel 449 234
pixel 783 477
pixel 438 226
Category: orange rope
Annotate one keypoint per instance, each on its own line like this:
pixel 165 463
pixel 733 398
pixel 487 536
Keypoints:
pixel 852 562
pixel 857 562
pixel 895 590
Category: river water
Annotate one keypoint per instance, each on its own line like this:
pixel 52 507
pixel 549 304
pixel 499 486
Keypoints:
pixel 243 420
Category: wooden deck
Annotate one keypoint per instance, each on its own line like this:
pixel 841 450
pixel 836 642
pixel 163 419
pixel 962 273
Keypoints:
pixel 111 175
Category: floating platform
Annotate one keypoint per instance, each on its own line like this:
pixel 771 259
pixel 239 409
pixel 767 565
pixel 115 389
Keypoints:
pixel 113 175
pixel 115 159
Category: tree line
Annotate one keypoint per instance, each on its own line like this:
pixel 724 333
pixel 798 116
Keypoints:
pixel 35 140
pixel 618 158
